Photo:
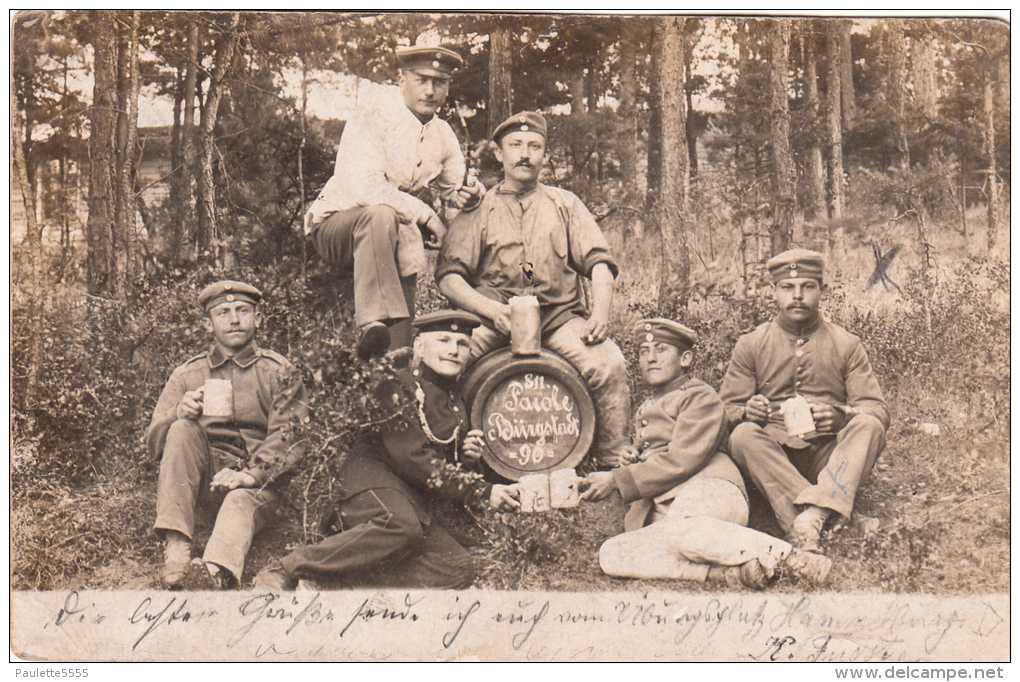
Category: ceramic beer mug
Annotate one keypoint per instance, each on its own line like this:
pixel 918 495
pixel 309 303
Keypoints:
pixel 218 398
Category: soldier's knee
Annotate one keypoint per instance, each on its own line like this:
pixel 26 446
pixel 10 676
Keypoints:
pixel 615 363
pixel 380 217
pixel 462 571
pixel 239 498
pixel 182 436
pixel 868 423
pixel 404 531
pixel 613 557
pixel 608 366
pixel 742 439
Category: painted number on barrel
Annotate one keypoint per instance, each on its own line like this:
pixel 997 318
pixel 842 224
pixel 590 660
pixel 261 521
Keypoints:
pixel 534 418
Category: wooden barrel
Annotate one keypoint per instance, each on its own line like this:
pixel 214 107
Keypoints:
pixel 535 410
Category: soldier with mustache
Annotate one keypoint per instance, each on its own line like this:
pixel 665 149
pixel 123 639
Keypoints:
pixel 807 477
pixel 528 238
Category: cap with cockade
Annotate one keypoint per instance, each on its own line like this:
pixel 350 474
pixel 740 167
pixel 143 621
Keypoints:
pixel 228 291
pixel 437 62
pixel 526 121
pixel 666 331
pixel 446 321
pixel 796 263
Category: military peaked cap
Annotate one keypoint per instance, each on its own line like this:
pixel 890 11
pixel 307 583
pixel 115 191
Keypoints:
pixel 796 263
pixel 437 62
pixel 228 291
pixel 666 331
pixel 526 121
pixel 446 321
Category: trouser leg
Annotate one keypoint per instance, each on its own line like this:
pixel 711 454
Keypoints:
pixel 705 526
pixel 485 339
pixel 381 528
pixel 604 368
pixel 442 564
pixel 769 467
pixel 244 512
pixel 402 333
pixel 184 474
pixel 365 239
pixel 842 464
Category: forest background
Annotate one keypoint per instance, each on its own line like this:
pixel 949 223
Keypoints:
pixel 703 145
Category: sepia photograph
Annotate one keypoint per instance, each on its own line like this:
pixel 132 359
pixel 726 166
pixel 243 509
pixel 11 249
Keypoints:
pixel 503 337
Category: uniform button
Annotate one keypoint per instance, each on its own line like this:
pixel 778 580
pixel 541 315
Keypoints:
pixel 799 353
pixel 644 422
pixel 797 384
pixel 455 409
pixel 800 342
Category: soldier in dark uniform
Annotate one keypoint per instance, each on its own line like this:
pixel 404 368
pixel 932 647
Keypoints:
pixel 389 533
pixel 799 353
pixel 235 454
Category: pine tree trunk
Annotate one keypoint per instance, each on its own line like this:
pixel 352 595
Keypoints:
pixel 815 171
pixel 184 209
pixel 846 74
pixel 654 175
pixel 692 137
pixel 899 151
pixel 627 142
pixel 500 78
pixel 783 171
pixel 923 71
pixel 125 232
pixel 674 194
pixel 207 222
pixel 834 127
pixel 989 152
pixel 178 180
pixel 33 247
pixel 99 231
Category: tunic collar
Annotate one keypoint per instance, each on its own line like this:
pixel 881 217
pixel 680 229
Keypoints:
pixel 411 116
pixel 245 358
pixel 501 188
pixel 425 373
pixel 805 329
pixel 674 385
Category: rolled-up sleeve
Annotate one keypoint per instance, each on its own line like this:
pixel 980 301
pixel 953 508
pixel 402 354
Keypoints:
pixel 588 246
pixel 461 252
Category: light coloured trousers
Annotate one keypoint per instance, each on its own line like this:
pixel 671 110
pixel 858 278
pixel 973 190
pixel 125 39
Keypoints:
pixel 703 526
pixel 187 467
